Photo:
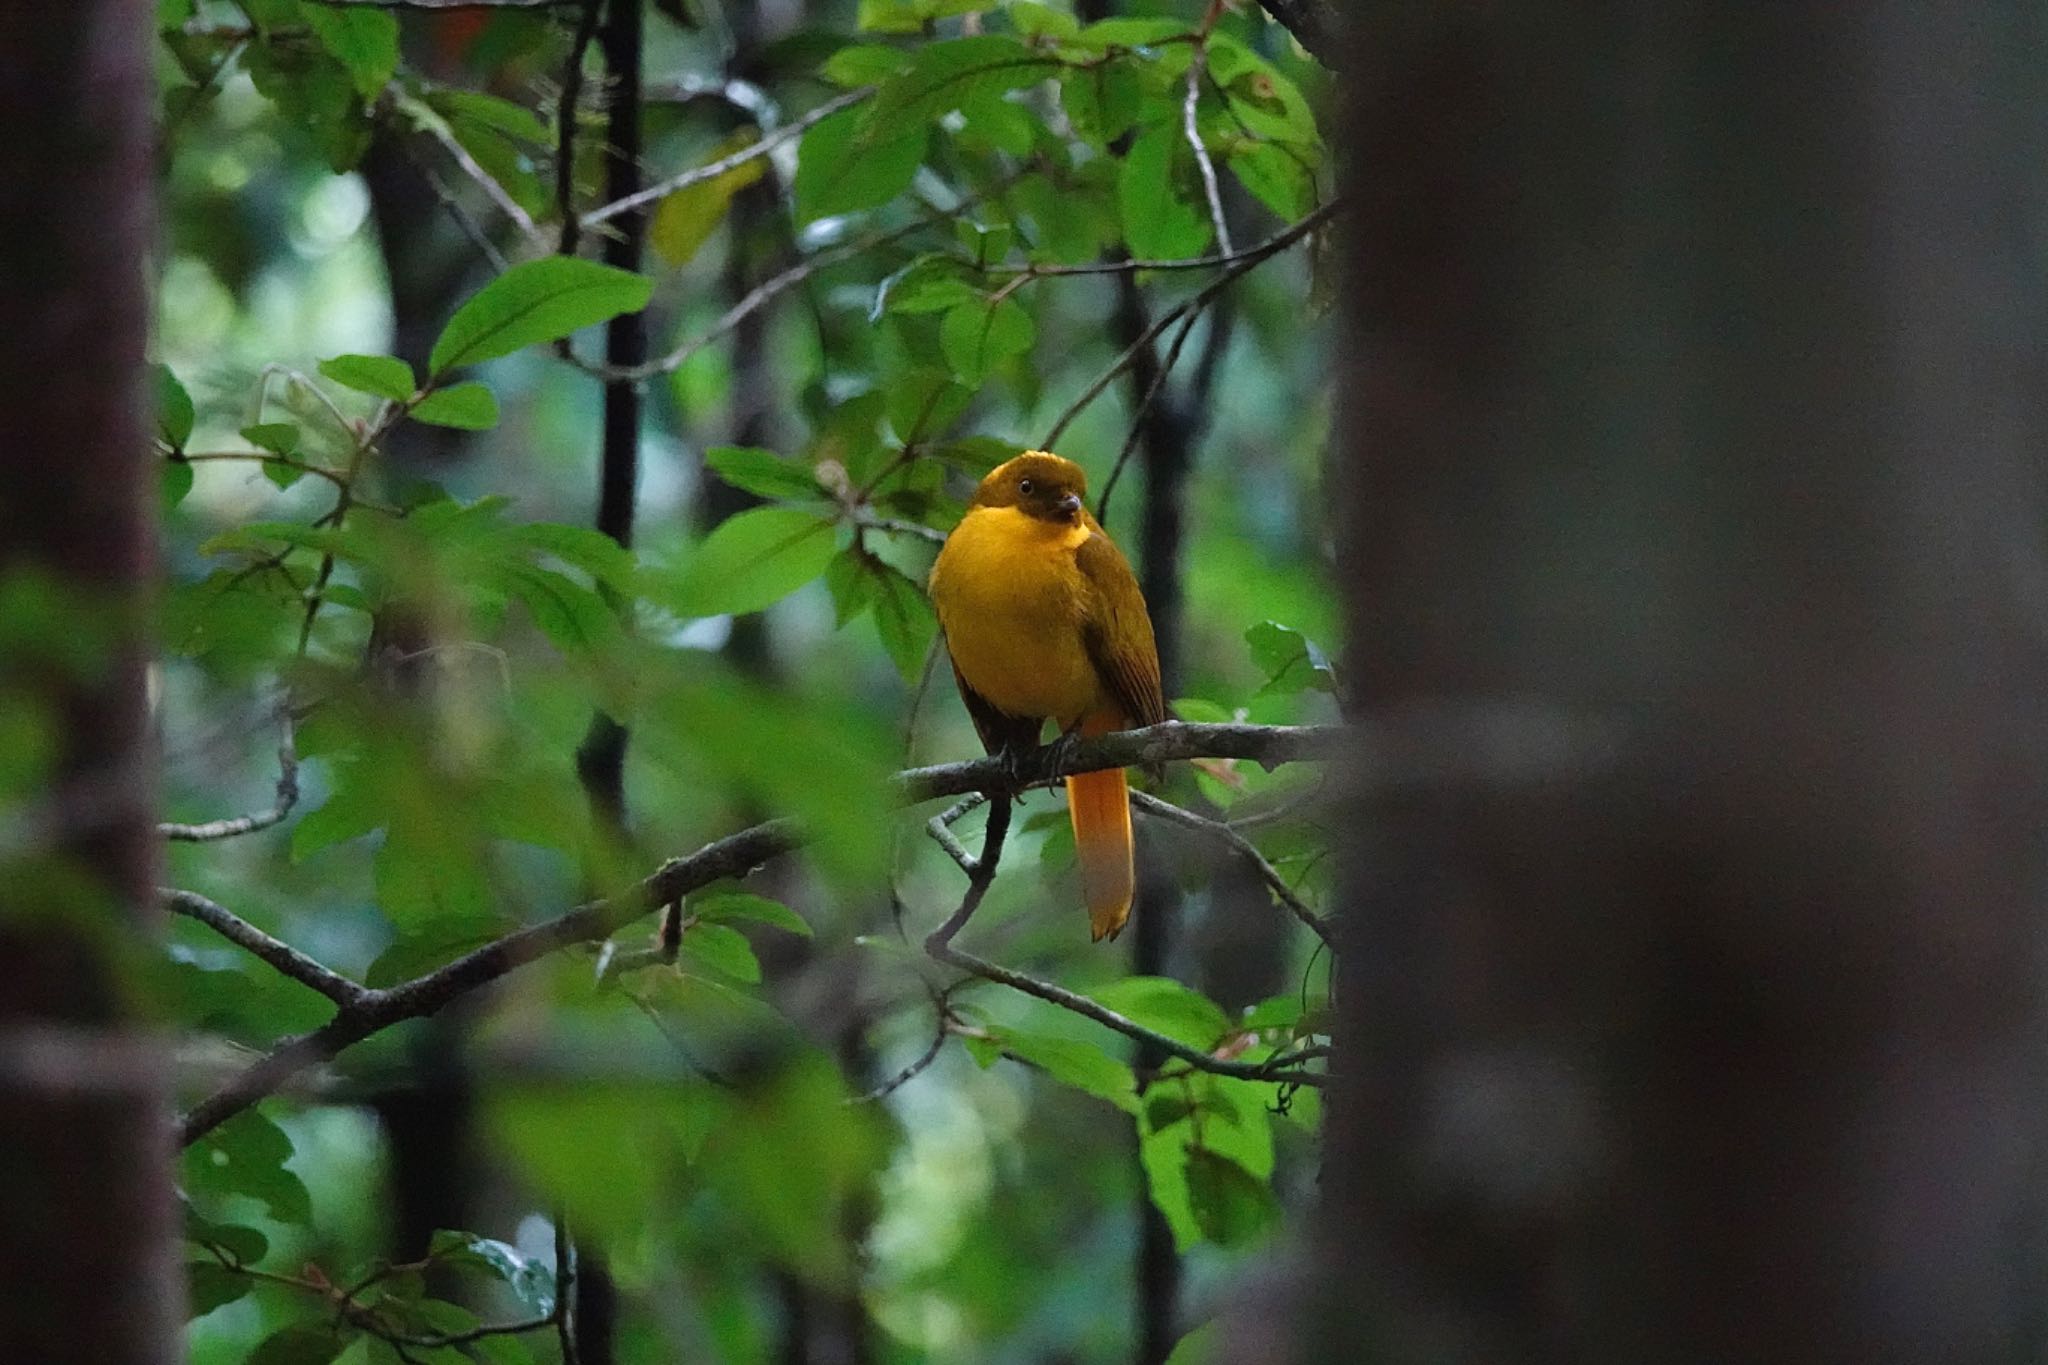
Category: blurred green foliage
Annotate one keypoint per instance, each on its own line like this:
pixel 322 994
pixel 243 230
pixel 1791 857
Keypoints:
pixel 378 449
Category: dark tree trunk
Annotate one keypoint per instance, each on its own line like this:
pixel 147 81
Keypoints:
pixel 86 1225
pixel 1695 395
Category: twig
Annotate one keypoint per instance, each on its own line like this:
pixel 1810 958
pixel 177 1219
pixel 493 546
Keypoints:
pixel 464 219
pixel 1242 263
pixel 1192 131
pixel 711 170
pixel 374 1010
pixel 287 797
pixel 940 827
pixel 279 954
pixel 565 127
pixel 1267 745
pixel 1216 829
pixel 1151 396
pixel 437 128
pixel 565 1284
pixel 942 1009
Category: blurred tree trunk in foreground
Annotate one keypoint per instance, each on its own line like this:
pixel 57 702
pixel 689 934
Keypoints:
pixel 1696 392
pixel 86 1223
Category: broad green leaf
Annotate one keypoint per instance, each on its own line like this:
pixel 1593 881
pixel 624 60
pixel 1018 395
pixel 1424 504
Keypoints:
pixel 762 472
pixel 381 376
pixel 467 407
pixel 751 561
pixel 925 402
pixel 1290 660
pixel 977 455
pixel 851 585
pixel 685 219
pixel 429 946
pixel 1131 31
pixel 606 1150
pixel 1166 1006
pixel 363 39
pixel 279 438
pixel 842 167
pixel 243 1244
pixel 1102 101
pixel 1203 1346
pixel 1230 1204
pixel 1277 176
pixel 174 415
pixel 1262 99
pixel 302 1343
pixel 864 64
pixel 1164 219
pixel 977 338
pixel 246 1156
pixel 910 16
pixel 1069 1061
pixel 535 301
pixel 1035 20
pixel 209 1285
pixel 929 284
pixel 177 482
pixel 904 619
pixel 427 871
pixel 594 552
pixel 723 949
pixel 946 74
pixel 724 902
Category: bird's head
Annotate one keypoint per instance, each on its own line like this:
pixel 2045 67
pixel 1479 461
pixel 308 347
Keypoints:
pixel 1038 484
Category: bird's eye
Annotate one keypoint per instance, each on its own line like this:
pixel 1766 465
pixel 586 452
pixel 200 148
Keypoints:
pixel 1024 487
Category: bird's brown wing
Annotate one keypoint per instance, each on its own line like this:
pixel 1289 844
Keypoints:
pixel 1000 731
pixel 1118 632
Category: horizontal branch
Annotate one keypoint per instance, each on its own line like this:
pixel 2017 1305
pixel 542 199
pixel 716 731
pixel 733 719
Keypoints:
pixel 1488 744
pixel 711 170
pixel 366 1010
pixel 1267 745
pixel 287 792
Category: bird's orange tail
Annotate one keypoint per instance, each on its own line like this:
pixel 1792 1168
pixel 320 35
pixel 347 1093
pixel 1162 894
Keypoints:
pixel 1099 804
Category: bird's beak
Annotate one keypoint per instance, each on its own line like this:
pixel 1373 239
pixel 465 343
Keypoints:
pixel 1070 503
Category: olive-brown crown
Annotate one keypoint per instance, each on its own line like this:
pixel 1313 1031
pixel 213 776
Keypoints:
pixel 1037 483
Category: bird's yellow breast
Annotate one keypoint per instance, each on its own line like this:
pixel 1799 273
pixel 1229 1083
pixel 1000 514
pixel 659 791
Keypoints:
pixel 1012 603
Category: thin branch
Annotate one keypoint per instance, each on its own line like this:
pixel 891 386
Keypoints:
pixel 437 128
pixel 463 218
pixel 374 1010
pixel 279 954
pixel 1150 397
pixel 287 798
pixel 711 170
pixel 1193 132
pixel 1492 744
pixel 1216 829
pixel 565 127
pixel 1242 263
pixel 943 1025
pixel 940 827
pixel 565 1283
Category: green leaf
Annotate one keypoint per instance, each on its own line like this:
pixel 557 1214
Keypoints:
pixel 574 618
pixel 1203 1346
pixel 1163 220
pixel 382 376
pixel 302 1343
pixel 362 39
pixel 177 482
pixel 536 301
pixel 977 454
pixel 723 949
pixel 1277 177
pixel 685 219
pixel 864 64
pixel 246 1156
pixel 842 167
pixel 1290 660
pixel 1102 101
pixel 946 74
pixel 246 1245
pixel 607 1150
pixel 925 402
pixel 723 902
pixel 210 1285
pixel 279 438
pixel 468 407
pixel 1231 1205
pixel 174 415
pixel 1166 1006
pixel 752 560
pixel 910 16
pixel 904 619
pixel 1083 1066
pixel 762 472
pixel 531 1281
pixel 977 338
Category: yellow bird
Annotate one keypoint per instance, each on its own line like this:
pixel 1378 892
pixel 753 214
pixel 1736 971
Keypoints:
pixel 1044 621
